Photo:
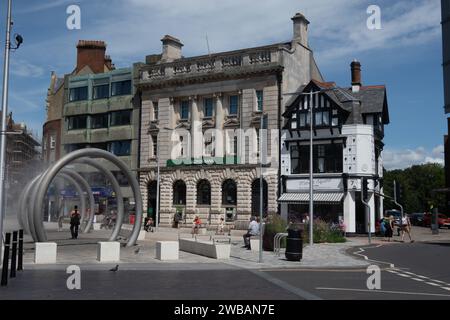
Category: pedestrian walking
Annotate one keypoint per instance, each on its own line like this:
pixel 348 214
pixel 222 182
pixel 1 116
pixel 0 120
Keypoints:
pixel 389 225
pixel 221 227
pixel 405 227
pixel 74 222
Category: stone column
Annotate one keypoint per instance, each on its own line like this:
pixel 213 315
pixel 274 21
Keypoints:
pixel 191 195
pixel 219 136
pixel 196 130
pixel 350 212
pixel 244 195
pixel 216 193
pixel 166 114
pixel 146 151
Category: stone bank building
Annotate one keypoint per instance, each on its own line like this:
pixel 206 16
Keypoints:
pixel 223 91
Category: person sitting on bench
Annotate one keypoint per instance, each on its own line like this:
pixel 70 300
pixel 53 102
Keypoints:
pixel 253 230
pixel 196 225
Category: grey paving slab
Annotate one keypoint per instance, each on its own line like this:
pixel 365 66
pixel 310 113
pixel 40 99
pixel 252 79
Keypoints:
pixel 83 251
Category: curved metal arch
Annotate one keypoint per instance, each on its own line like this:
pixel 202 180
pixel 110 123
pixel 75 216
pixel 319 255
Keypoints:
pixel 79 178
pixel 22 215
pixel 117 190
pixel 24 212
pixel 31 205
pixel 60 164
pixel 35 187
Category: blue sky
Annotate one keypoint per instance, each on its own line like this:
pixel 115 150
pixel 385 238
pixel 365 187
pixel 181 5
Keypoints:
pixel 405 55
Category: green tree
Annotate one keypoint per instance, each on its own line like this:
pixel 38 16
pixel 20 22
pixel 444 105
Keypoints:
pixel 418 183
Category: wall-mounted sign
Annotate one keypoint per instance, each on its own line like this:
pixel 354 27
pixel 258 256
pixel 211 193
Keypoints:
pixel 326 184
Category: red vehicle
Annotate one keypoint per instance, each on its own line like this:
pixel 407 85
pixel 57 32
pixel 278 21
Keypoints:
pixel 444 221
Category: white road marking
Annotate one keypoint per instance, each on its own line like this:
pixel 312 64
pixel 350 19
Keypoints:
pixel 404 275
pixel 416 277
pixel 367 258
pixel 433 284
pixel 392 271
pixel 385 291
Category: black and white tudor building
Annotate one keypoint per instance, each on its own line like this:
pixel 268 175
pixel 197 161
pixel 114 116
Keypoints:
pixel 348 132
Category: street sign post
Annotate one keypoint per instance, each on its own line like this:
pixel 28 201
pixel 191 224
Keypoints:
pixel 364 196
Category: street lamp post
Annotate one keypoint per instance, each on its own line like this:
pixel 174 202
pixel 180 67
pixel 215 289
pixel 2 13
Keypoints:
pixel 261 188
pixel 3 128
pixel 157 185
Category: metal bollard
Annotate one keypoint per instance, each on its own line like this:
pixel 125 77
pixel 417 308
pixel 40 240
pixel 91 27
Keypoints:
pixel 20 253
pixel 14 256
pixel 4 281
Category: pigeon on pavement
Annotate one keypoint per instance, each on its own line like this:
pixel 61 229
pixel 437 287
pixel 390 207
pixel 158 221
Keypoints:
pixel 115 268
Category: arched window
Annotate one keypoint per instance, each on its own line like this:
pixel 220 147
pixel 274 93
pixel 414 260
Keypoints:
pixel 179 193
pixel 229 192
pixel 204 192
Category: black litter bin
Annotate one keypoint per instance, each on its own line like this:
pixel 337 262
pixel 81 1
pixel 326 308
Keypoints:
pixel 294 245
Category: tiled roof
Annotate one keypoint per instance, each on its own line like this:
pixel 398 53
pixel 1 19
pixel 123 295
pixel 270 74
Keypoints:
pixel 372 98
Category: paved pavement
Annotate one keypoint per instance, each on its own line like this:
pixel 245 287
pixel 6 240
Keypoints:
pixel 84 251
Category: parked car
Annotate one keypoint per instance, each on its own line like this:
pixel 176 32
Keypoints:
pixel 444 221
pixel 416 218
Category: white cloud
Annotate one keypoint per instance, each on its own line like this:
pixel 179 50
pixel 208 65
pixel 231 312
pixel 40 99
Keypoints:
pixel 46 5
pixel 133 28
pixel 404 158
pixel 23 68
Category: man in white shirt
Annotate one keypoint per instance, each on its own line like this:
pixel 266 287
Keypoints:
pixel 253 230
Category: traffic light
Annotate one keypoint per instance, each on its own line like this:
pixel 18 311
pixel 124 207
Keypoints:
pixel 398 192
pixel 365 189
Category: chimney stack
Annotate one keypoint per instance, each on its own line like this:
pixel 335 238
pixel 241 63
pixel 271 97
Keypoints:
pixel 171 49
pixel 356 76
pixel 300 29
pixel 108 63
pixel 92 54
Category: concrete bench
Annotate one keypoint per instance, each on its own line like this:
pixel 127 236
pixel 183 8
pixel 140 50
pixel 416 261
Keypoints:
pixel 167 250
pixel 96 226
pixel 108 251
pixel 206 248
pixel 45 252
pixel 254 244
pixel 142 234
